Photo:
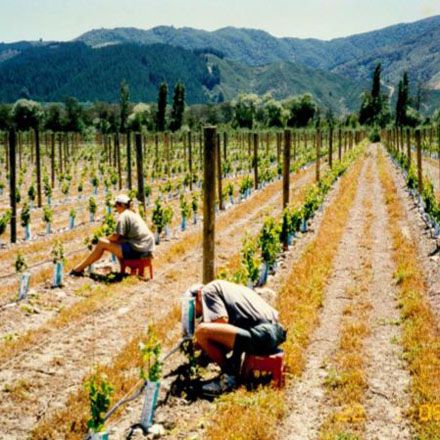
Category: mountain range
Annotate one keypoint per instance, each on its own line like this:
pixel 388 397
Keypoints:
pixel 225 62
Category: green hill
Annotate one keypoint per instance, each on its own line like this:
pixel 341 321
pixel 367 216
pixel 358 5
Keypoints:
pixel 351 56
pixel 53 71
pixel 285 79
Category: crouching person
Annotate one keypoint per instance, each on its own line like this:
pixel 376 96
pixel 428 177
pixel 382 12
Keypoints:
pixel 235 320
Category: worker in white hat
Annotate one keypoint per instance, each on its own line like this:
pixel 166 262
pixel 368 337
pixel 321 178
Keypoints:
pixel 131 240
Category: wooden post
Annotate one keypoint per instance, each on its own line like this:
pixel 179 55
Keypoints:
pixel 156 146
pixel 60 153
pixel 128 143
pixel 278 147
pixel 200 150
pixel 190 161
pixel 286 167
pixel 20 150
pixel 140 170
pixel 118 154
pixel 67 153
pixel 330 147
pixel 256 160
pixel 31 144
pixel 210 136
pixel 167 152
pixel 52 161
pixel 219 170
pixel 408 146
pixel 38 159
pixel 419 161
pixel 12 184
pixel 115 152
pixel 6 142
pixel 318 155
pixel 225 146
pixel 295 139
pixel 184 140
pixel 402 144
pixel 340 144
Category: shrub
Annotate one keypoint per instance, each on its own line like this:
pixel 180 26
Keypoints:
pixel 150 350
pixel 20 263
pixel 31 192
pixel 184 207
pixel 158 216
pixel 249 259
pixel 99 397
pixel 47 214
pixel 92 205
pixel 25 215
pixel 268 240
pixel 168 215
pixel 58 252
pixel 4 220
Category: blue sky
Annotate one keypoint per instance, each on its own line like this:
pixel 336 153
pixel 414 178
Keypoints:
pixel 326 19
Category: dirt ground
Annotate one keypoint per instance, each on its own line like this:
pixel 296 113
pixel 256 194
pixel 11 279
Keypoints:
pixel 57 367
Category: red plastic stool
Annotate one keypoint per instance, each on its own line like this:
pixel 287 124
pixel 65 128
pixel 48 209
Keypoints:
pixel 137 267
pixel 271 364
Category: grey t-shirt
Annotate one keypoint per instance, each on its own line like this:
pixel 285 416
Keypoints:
pixel 242 306
pixel 133 230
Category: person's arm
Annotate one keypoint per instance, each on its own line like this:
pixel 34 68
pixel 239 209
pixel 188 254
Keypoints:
pixel 222 320
pixel 114 238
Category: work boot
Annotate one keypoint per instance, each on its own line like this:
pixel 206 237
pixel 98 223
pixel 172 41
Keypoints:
pixel 223 384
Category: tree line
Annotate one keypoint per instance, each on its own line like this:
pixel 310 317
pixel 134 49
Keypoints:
pixel 247 111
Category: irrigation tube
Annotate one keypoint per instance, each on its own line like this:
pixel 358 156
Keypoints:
pixel 134 396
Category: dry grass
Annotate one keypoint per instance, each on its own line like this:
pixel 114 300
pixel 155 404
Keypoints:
pixel 421 335
pixel 247 415
pixel 20 391
pixel 298 303
pixel 300 300
pixel 347 382
pixel 69 423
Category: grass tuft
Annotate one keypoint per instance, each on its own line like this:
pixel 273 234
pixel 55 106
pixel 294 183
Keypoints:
pixel 421 334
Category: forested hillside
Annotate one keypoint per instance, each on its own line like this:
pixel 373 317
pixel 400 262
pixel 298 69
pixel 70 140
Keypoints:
pixel 49 73
pixel 413 46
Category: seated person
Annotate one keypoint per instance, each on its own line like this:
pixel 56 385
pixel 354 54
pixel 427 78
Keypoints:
pixel 131 240
pixel 234 319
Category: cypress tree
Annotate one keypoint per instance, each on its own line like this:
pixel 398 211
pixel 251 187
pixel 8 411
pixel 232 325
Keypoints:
pixel 178 107
pixel 375 91
pixel 124 101
pixel 161 106
pixel 402 101
pixel 399 104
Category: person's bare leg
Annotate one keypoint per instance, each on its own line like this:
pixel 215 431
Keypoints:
pixel 102 246
pixel 216 340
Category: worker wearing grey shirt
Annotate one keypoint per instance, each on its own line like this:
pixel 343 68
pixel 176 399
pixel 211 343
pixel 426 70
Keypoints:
pixel 131 240
pixel 235 318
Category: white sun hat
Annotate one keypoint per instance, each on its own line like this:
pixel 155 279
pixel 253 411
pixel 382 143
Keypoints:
pixel 122 198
